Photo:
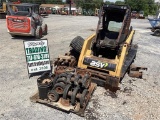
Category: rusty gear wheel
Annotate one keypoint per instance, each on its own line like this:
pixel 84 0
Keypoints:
pixel 59 88
pixel 63 75
pixel 53 96
pixel 73 96
pixel 77 77
pixel 86 81
pixel 69 78
pixel 61 80
pixel 66 90
pixel 83 98
pixel 55 79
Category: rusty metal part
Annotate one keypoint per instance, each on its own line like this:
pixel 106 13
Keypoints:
pixel 83 72
pixel 66 60
pixel 86 81
pixel 103 78
pixel 64 104
pixel 59 88
pixel 76 80
pixel 135 74
pixel 45 81
pixel 61 80
pixel 53 96
pixel 59 69
pixel 70 69
pixel 63 69
pixel 82 78
pixel 135 68
pixel 83 98
pixel 75 87
pixel 70 78
pixel 78 96
pixel 69 96
pixel 63 75
pixel 73 95
pixel 66 91
pixel 134 71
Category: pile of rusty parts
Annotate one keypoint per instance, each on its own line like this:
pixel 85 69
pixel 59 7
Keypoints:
pixel 69 91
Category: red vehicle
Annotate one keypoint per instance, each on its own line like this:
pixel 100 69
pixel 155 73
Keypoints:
pixel 24 20
pixel 18 2
pixel 48 10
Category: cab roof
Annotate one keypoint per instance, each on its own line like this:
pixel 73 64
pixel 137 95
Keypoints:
pixel 23 4
pixel 113 6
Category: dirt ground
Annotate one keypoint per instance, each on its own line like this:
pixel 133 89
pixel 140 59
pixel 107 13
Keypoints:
pixel 138 99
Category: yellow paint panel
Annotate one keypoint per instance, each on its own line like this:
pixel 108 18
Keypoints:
pixel 85 50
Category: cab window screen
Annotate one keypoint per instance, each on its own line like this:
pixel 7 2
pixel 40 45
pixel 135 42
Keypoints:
pixel 114 26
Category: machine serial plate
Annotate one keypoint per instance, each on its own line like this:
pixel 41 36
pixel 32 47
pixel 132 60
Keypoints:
pixel 99 64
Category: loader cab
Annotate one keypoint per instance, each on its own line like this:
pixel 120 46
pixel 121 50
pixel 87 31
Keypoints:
pixel 23 19
pixel 112 30
pixel 24 9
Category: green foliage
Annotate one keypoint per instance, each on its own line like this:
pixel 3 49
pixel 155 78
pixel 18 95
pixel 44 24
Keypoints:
pixel 89 4
pixel 148 6
pixel 42 1
pixel 108 2
pixel 54 1
pixel 119 3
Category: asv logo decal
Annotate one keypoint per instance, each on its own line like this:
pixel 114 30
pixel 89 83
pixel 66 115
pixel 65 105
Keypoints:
pixel 98 64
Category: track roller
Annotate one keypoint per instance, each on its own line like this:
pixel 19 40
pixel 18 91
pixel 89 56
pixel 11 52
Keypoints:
pixel 86 81
pixel 69 78
pixel 61 80
pixel 53 96
pixel 83 98
pixel 59 88
pixel 55 79
pixel 77 77
pixel 63 75
pixel 66 90
pixel 73 96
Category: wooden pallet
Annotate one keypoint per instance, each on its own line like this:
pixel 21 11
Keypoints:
pixel 64 104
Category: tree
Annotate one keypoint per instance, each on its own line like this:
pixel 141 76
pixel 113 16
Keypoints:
pixel 148 6
pixel 97 3
pixel 88 4
pixel 108 2
pixel 119 3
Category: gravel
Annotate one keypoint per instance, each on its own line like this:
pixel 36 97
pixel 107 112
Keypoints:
pixel 138 99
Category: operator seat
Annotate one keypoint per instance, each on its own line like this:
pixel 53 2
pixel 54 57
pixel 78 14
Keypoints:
pixel 109 40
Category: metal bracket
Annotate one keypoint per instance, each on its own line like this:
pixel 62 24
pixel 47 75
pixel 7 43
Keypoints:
pixel 135 71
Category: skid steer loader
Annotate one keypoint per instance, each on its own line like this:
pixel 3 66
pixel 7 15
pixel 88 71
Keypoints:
pixel 102 59
pixel 24 20
pixel 109 53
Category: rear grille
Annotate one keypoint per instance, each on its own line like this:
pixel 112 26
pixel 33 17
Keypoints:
pixel 18 24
